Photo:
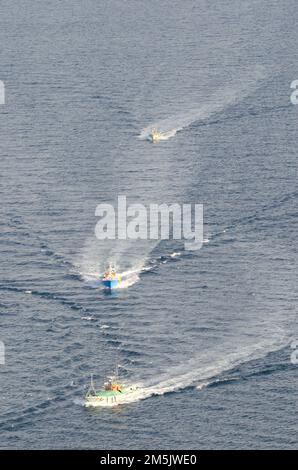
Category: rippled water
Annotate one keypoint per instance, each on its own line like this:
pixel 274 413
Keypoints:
pixel 204 334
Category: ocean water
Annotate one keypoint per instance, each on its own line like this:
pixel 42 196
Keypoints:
pixel 205 335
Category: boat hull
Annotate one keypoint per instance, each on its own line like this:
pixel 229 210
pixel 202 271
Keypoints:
pixel 95 402
pixel 109 398
pixel 110 283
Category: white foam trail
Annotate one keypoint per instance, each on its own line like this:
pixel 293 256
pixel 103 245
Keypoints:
pixel 237 90
pixel 129 281
pixel 126 256
pixel 175 254
pixel 203 385
pixel 203 369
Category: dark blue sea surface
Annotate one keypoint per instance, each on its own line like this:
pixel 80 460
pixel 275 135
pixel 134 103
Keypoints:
pixel 205 334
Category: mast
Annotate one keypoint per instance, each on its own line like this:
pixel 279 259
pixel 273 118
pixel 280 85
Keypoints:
pixel 92 383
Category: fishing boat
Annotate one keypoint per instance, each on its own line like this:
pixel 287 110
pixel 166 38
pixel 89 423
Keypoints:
pixel 155 136
pixel 112 394
pixel 111 279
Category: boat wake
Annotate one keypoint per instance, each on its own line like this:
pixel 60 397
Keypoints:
pixel 131 276
pixel 238 89
pixel 127 257
pixel 204 370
